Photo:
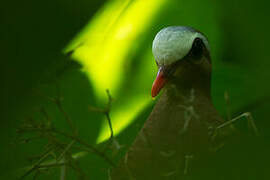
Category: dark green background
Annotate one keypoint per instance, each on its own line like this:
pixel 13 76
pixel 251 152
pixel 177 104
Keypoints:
pixel 34 33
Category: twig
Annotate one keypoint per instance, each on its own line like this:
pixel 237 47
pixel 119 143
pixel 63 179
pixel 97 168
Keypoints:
pixel 63 172
pixel 65 150
pixel 246 115
pixel 51 165
pixel 37 164
pixel 110 124
pixel 77 169
pixel 46 129
pixel 228 109
pixel 227 123
pixel 187 163
pixel 75 138
pixel 58 102
pixel 62 157
pixel 106 111
pixel 91 148
pixel 47 117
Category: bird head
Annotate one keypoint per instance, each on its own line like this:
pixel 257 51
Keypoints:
pixel 182 55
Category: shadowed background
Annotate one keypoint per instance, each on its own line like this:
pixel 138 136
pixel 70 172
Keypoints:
pixel 78 49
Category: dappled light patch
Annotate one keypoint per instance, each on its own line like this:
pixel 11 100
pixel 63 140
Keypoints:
pixel 103 48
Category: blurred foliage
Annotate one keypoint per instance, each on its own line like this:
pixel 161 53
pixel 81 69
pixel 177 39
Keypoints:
pixel 112 50
pixel 106 49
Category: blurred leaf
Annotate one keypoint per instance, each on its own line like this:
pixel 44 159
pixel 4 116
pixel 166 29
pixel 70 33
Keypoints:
pixel 106 47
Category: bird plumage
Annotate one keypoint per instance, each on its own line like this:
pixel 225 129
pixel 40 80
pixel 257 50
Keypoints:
pixel 174 42
pixel 181 122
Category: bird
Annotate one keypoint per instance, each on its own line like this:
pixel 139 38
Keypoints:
pixel 181 124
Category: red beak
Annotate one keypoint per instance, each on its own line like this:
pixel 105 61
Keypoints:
pixel 159 83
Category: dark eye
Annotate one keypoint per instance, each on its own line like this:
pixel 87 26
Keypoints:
pixel 197 48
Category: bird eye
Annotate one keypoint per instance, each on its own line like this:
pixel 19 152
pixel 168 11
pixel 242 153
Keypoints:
pixel 197 49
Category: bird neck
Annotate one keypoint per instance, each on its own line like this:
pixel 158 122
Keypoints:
pixel 185 87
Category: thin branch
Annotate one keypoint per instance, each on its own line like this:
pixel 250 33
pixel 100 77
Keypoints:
pixel 63 172
pixel 88 146
pixel 246 115
pixel 74 165
pixel 110 124
pixel 65 150
pixel 37 164
pixel 93 149
pixel 47 117
pixel 45 129
pixel 106 111
pixel 51 165
pixel 228 105
pixel 77 169
pixel 187 163
pixel 58 102
pixel 227 123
